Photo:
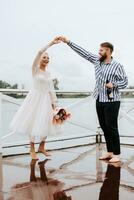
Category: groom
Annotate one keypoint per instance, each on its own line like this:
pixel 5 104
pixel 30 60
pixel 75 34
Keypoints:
pixel 110 78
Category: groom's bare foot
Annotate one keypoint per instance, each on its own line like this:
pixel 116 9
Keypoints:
pixel 33 155
pixel 108 155
pixel 116 164
pixel 115 159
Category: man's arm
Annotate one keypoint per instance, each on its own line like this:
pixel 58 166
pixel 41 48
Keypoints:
pixel 82 52
pixel 122 79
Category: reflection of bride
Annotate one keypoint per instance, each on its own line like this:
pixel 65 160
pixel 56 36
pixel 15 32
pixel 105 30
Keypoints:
pixel 110 187
pixel 39 188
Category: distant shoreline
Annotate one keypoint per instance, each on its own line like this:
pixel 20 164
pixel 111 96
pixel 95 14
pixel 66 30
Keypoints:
pixel 19 96
pixel 21 93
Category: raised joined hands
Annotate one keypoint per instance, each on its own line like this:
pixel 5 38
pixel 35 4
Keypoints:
pixel 59 39
pixel 64 39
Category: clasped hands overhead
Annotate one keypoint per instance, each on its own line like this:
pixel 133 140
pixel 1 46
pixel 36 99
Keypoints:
pixel 59 39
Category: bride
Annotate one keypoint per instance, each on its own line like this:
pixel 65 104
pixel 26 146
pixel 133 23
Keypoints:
pixel 34 118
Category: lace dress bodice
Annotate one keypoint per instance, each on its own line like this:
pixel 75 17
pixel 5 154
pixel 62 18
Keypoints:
pixel 43 83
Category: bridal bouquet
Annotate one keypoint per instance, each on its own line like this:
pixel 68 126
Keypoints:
pixel 60 115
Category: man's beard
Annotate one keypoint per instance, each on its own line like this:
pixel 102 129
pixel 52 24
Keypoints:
pixel 102 58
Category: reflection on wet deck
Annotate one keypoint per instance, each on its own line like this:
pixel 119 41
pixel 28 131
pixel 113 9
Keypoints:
pixel 70 174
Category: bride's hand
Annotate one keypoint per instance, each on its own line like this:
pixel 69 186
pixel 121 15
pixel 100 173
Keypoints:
pixel 56 40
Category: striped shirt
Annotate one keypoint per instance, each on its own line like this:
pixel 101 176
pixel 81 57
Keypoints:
pixel 112 71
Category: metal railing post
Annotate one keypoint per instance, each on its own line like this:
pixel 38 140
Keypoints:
pixel 98 135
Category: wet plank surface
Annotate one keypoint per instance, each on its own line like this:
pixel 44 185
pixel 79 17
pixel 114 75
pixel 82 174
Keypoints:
pixel 73 173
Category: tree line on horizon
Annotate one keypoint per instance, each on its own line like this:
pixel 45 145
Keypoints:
pixel 6 85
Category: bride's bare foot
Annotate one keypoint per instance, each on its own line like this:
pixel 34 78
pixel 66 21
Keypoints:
pixel 44 152
pixel 32 151
pixel 44 161
pixel 33 155
pixel 42 149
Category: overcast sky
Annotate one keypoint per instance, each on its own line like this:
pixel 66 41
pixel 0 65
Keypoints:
pixel 27 25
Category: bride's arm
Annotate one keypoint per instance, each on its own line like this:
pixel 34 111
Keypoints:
pixel 37 59
pixel 40 52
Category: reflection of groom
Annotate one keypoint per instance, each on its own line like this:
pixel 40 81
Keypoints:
pixel 110 187
pixel 110 77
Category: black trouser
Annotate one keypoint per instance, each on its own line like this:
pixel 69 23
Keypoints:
pixel 108 115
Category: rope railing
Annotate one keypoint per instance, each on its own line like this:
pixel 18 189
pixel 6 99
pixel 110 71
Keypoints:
pixel 9 99
pixel 4 90
pixel 97 139
pixel 52 141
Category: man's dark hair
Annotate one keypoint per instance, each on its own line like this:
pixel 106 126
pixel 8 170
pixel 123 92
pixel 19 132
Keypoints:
pixel 107 45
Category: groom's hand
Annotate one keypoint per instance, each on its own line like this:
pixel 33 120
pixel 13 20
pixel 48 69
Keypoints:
pixel 64 39
pixel 109 85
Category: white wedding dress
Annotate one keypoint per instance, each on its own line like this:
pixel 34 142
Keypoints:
pixel 35 115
